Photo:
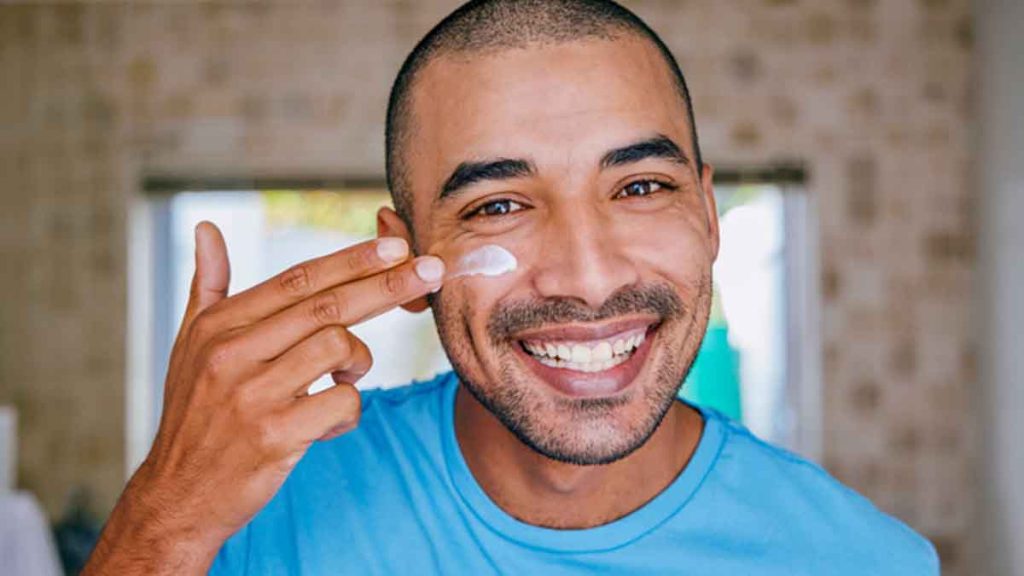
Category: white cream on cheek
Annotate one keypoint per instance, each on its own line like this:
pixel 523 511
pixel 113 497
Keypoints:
pixel 488 260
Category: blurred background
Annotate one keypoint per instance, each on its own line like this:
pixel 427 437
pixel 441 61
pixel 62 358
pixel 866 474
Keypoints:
pixel 868 305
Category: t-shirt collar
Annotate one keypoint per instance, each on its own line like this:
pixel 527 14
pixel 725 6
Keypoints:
pixel 612 535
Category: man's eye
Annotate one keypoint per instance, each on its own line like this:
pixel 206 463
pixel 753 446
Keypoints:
pixel 495 208
pixel 642 188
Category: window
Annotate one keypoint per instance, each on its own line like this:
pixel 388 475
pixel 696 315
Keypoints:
pixel 269 231
pixel 751 366
pixel 748 363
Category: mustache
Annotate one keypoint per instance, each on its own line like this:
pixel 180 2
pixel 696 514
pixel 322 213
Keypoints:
pixel 514 317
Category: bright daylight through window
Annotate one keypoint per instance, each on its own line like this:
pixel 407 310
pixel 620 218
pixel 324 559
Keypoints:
pixel 748 367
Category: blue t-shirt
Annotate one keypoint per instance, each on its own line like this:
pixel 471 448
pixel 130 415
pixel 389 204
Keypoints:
pixel 395 496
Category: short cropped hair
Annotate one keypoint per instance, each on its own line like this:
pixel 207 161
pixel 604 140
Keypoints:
pixel 487 26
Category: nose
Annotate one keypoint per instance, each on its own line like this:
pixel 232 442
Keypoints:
pixel 581 257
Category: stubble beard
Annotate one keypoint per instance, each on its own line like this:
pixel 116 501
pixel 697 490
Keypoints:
pixel 580 431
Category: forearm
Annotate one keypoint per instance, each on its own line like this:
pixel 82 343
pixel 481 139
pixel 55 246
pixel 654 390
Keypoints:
pixel 233 424
pixel 146 536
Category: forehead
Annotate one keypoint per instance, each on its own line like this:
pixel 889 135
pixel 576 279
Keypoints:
pixel 554 104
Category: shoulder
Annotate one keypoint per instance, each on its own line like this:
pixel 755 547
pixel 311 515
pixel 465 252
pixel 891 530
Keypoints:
pixel 809 503
pixel 418 403
pixel 411 393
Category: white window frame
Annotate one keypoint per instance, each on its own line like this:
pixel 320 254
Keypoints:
pixel 147 340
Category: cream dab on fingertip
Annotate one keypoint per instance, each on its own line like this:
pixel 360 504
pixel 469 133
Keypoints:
pixel 488 260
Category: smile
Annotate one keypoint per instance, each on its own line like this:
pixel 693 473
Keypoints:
pixel 593 356
pixel 589 360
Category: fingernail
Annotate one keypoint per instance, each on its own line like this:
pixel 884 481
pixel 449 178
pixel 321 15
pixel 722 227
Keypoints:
pixel 392 249
pixel 429 269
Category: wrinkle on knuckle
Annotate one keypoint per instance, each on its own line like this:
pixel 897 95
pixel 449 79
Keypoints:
pixel 394 282
pixel 360 259
pixel 297 280
pixel 327 308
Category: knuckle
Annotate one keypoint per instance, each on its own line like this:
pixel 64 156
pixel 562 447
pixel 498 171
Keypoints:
pixel 327 308
pixel 367 358
pixel 394 282
pixel 268 435
pixel 297 280
pixel 337 341
pixel 242 400
pixel 361 258
pixel 218 358
pixel 350 404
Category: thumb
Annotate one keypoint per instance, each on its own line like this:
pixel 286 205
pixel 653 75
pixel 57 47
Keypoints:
pixel 213 270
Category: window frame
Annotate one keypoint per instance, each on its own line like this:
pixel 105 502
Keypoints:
pixel 149 325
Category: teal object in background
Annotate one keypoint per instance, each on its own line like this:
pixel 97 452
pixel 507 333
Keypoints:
pixel 714 380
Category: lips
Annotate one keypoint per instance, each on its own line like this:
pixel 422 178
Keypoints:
pixel 588 361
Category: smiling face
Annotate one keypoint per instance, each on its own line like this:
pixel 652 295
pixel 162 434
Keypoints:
pixel 577 158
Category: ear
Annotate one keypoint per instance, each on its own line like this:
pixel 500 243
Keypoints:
pixel 390 224
pixel 708 189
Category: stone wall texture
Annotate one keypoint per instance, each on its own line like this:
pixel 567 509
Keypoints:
pixel 872 96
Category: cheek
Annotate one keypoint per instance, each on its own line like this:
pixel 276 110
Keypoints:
pixel 462 310
pixel 674 244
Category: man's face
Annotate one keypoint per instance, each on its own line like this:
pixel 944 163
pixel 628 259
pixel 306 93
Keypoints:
pixel 577 158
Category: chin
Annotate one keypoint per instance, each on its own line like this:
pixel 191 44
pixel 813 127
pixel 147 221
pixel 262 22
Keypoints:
pixel 595 415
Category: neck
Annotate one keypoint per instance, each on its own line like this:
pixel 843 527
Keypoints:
pixel 544 492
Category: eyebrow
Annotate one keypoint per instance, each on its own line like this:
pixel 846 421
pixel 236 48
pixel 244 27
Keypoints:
pixel 469 173
pixel 660 146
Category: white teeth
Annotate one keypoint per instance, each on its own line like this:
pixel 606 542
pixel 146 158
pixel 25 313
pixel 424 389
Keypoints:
pixel 584 357
pixel 580 354
pixel 619 347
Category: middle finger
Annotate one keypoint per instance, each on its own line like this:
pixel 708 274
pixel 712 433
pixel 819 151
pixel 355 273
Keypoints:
pixel 344 305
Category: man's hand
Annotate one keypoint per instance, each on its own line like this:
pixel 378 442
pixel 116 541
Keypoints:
pixel 236 415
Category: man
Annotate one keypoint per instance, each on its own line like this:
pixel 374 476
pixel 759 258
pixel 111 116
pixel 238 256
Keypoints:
pixel 561 131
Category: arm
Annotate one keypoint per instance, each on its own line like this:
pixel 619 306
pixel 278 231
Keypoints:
pixel 236 416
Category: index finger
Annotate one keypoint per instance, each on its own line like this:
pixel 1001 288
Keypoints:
pixel 310 277
pixel 344 305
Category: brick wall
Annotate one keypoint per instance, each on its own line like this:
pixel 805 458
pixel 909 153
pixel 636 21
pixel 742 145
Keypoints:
pixel 873 96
